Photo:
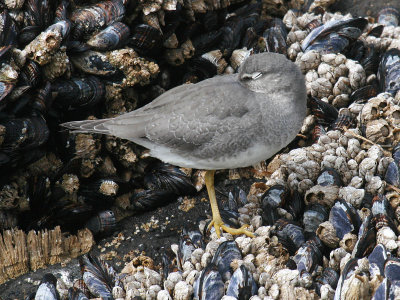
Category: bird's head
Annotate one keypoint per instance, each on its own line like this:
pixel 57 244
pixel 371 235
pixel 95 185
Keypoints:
pixel 270 73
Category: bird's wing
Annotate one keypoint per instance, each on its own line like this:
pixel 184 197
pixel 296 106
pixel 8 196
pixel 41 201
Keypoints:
pixel 189 118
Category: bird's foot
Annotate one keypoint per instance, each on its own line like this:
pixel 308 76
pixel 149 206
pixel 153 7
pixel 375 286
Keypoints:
pixel 219 225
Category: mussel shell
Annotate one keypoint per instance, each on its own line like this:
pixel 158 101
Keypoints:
pixel 314 215
pixel 88 19
pixel 146 39
pixel 111 37
pixel 93 62
pixel 290 235
pixel 242 284
pixel 333 43
pixel 209 284
pixel 24 133
pixel 344 120
pixel 389 16
pixel 364 93
pixel 166 177
pixel 78 93
pixel 275 41
pixel 370 60
pixel 199 69
pixel 150 199
pixel 76 294
pixel 381 206
pixel 389 71
pixel 236 199
pixel 98 276
pixel 329 176
pixel 229 217
pixel 30 74
pixel 377 260
pixel 328 276
pixel 233 30
pixel 348 270
pixel 223 257
pixel 348 29
pixel 396 152
pixel 47 288
pixel 392 269
pixel 382 292
pixel 5 89
pixel 188 242
pixel 344 218
pixel 102 224
pixel 323 111
pixel 392 175
pixel 376 31
pixel 9 32
pixel 366 238
pixel 205 42
pixel 276 196
pixel 309 256
pixel 8 220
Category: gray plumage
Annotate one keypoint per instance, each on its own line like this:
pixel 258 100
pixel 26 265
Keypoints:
pixel 223 122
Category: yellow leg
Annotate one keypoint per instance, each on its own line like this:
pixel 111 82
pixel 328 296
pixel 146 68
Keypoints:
pixel 216 217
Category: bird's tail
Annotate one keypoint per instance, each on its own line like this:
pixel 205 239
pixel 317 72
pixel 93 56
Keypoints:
pixel 88 126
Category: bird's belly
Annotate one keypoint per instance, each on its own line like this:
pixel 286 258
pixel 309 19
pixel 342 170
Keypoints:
pixel 251 156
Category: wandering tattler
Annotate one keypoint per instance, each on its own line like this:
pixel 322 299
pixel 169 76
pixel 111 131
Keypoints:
pixel 224 122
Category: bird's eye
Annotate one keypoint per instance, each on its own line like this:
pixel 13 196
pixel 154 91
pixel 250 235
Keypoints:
pixel 251 76
pixel 256 75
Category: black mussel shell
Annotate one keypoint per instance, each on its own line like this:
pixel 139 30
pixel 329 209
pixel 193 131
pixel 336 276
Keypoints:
pixel 199 69
pixel 366 238
pixel 323 111
pixel 207 41
pixel 78 93
pixel 111 37
pixel 335 34
pixel 103 223
pixel 364 93
pixel 23 133
pixel 389 71
pixel 76 294
pixel 344 218
pixel 166 177
pixel 47 288
pixel 290 235
pixel 389 16
pixel 209 284
pixel 377 260
pixel 276 196
pixel 348 270
pixel 98 276
pixel 242 284
pixel 88 19
pixel 146 39
pixel 309 256
pixel 392 175
pixel 314 215
pixel 328 276
pixel 94 63
pixel 223 257
pixel 344 120
pixel 150 199
pixel 329 176
pixel 188 242
pixel 392 269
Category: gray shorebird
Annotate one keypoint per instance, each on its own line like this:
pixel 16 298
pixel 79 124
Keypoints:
pixel 224 122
